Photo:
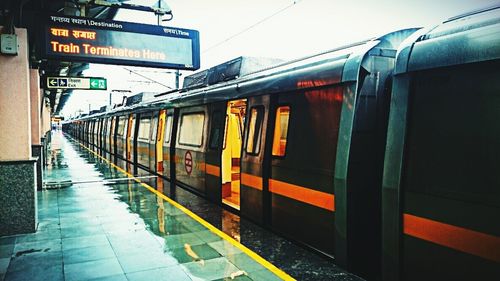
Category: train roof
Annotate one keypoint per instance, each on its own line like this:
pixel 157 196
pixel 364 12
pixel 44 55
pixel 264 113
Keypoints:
pixel 327 68
pixel 468 38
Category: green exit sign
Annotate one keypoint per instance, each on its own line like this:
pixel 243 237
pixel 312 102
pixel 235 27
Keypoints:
pixel 98 84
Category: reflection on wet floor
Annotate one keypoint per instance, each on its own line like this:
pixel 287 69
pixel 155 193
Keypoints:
pixel 91 228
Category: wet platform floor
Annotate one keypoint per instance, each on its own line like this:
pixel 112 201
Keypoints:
pixel 105 227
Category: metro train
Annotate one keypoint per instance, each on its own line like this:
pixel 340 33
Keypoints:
pixel 383 154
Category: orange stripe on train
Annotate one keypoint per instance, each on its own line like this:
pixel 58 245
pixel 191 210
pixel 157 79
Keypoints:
pixel 251 181
pixel 212 170
pixel 313 197
pixel 462 239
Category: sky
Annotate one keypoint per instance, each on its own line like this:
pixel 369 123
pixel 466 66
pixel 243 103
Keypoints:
pixel 284 29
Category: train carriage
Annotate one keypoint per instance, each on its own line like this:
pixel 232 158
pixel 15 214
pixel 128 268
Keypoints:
pixel 267 143
pixel 441 203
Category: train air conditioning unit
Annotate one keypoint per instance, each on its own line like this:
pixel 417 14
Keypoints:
pixel 196 80
pixel 229 70
pixel 140 97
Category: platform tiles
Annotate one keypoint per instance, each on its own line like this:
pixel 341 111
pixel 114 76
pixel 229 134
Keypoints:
pixel 96 225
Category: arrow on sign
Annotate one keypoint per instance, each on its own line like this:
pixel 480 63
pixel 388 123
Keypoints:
pixel 53 82
pixel 98 83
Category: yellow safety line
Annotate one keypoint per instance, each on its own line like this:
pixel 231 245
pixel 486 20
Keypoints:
pixel 281 274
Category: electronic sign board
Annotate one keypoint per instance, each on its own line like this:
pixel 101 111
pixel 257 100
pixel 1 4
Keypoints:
pixel 113 42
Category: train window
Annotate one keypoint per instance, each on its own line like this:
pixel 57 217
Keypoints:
pixel 113 127
pixel 105 126
pixel 192 129
pixel 108 126
pixel 125 128
pixel 281 130
pixel 144 127
pixel 168 129
pixel 215 134
pixel 121 126
pixel 255 130
pixel 453 133
pixel 154 125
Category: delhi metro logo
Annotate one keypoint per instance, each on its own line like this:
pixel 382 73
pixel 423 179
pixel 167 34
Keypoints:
pixel 188 162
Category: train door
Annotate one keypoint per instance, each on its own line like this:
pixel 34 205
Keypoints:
pixel 87 133
pixel 99 135
pixel 124 136
pixel 159 141
pixel 133 142
pixel 112 142
pixel 169 138
pixel 104 135
pixel 190 148
pixel 142 140
pixel 252 162
pixel 84 131
pixel 85 126
pixel 214 149
pixel 78 129
pixel 120 138
pixel 91 133
pixel 152 142
pixel 94 134
pixel 129 143
pixel 108 134
pixel 231 152
pixel 129 139
pixel 302 158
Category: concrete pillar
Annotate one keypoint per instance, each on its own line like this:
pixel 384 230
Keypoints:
pixel 45 117
pixel 18 210
pixel 45 126
pixel 36 145
pixel 35 106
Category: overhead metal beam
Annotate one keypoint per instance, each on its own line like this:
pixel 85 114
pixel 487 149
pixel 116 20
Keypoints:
pixel 157 10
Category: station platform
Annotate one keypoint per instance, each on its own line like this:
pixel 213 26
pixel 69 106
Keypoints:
pixel 95 223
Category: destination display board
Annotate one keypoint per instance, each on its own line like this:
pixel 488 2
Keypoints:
pixel 112 42
pixel 81 83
